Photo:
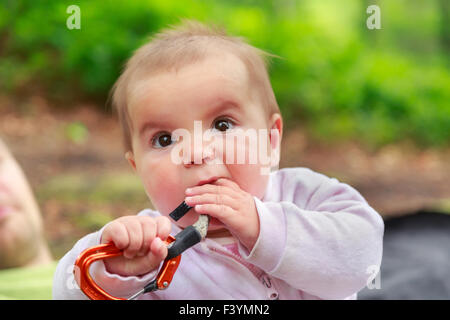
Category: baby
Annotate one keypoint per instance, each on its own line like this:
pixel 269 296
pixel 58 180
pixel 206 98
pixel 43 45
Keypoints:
pixel 287 234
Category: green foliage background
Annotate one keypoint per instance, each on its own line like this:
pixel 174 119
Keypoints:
pixel 335 77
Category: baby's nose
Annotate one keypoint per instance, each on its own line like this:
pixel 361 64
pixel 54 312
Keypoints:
pixel 199 153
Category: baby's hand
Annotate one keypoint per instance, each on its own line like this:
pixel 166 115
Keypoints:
pixel 142 241
pixel 226 201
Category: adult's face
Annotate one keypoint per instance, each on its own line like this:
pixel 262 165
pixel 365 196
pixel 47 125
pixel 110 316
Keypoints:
pixel 20 220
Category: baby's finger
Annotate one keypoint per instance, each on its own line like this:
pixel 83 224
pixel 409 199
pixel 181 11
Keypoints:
pixel 210 188
pixel 148 226
pixel 228 183
pixel 117 233
pixel 134 230
pixel 164 226
pixel 222 212
pixel 210 198
pixel 158 252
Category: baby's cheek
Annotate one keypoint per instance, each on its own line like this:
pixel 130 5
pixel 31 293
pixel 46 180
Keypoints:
pixel 160 184
pixel 166 196
pixel 250 179
pixel 161 193
pixel 246 168
pixel 249 146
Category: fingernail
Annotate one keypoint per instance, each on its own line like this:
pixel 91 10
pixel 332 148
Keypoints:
pixel 188 190
pixel 198 207
pixel 187 199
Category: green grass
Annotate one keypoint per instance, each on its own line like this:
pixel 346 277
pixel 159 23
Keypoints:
pixel 121 188
pixel 442 206
pixel 33 283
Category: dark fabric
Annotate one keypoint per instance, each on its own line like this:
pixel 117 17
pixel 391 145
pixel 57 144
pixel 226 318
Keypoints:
pixel 416 258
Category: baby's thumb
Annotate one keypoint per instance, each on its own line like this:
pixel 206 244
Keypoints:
pixel 157 252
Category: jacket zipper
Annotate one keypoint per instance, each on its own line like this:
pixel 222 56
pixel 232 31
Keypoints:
pixel 262 276
pixel 235 257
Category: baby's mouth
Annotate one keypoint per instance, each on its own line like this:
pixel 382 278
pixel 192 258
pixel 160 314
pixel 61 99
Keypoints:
pixel 210 180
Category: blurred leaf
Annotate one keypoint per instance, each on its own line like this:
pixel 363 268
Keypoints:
pixel 77 132
pixel 92 220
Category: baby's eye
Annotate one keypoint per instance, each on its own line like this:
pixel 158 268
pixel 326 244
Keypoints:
pixel 223 124
pixel 162 140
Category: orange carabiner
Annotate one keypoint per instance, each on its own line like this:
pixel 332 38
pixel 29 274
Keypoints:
pixel 109 250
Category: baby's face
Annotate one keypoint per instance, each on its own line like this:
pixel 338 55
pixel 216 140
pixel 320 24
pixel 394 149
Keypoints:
pixel 213 95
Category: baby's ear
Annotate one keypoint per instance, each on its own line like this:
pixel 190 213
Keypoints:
pixel 130 158
pixel 276 130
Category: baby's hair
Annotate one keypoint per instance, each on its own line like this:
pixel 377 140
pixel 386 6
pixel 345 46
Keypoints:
pixel 178 46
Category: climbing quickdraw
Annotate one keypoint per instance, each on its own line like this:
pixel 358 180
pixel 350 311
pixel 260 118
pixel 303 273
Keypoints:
pixel 188 237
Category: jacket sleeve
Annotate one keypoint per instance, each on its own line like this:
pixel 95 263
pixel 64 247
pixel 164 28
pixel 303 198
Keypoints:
pixel 321 237
pixel 66 288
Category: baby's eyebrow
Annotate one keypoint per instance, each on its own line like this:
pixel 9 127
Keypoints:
pixel 222 106
pixel 153 124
